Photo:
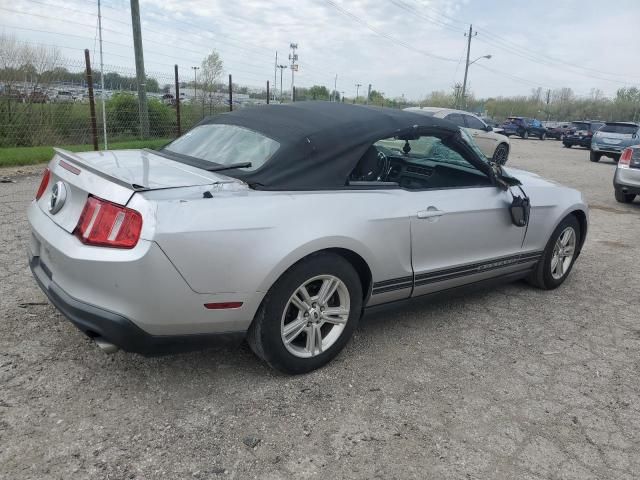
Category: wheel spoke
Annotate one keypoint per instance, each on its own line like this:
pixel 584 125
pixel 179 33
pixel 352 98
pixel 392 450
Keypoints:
pixel 336 315
pixel 327 290
pixel 314 339
pixel 554 262
pixel 304 293
pixel 301 305
pixel 560 267
pixel 293 329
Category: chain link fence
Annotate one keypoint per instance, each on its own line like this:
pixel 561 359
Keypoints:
pixel 52 106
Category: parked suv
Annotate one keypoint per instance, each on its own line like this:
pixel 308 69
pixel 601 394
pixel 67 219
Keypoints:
pixel 524 127
pixel 581 133
pixel 626 180
pixel 612 139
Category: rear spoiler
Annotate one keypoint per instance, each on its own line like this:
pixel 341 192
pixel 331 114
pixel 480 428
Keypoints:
pixel 80 162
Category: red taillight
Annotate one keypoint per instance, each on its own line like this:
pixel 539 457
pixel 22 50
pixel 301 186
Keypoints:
pixel 222 305
pixel 46 176
pixel 106 224
pixel 625 158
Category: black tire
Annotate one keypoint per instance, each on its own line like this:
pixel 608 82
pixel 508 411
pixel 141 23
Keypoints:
pixel 595 157
pixel 543 136
pixel 264 335
pixel 524 134
pixel 541 277
pixel 624 197
pixel 501 154
pixel 566 145
pixel 615 158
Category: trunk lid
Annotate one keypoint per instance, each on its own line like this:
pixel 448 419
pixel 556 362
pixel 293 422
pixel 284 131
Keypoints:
pixel 114 176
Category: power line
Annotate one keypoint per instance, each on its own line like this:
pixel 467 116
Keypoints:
pixel 382 34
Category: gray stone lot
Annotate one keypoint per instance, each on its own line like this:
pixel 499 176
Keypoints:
pixel 503 384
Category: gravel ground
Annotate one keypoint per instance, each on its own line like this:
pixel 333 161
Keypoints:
pixel 510 383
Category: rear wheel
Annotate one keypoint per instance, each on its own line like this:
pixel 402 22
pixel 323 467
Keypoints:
pixel 615 158
pixel 624 197
pixel 308 315
pixel 524 134
pixel 501 154
pixel 566 145
pixel 558 256
pixel 595 157
pixel 543 136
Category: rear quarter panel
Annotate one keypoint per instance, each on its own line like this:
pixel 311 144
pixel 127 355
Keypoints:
pixel 244 241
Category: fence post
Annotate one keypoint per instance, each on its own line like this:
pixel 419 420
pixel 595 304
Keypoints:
pixel 92 103
pixel 230 94
pixel 267 92
pixel 293 94
pixel 177 99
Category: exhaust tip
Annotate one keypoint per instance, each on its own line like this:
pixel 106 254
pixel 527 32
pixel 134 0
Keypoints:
pixel 105 346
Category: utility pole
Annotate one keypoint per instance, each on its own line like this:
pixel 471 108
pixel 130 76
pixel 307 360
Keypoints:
pixel 141 77
pixel 275 78
pixel 358 85
pixel 293 56
pixel 195 83
pixel 104 111
pixel 335 88
pixel 548 101
pixel 282 67
pixel 368 95
pixel 466 65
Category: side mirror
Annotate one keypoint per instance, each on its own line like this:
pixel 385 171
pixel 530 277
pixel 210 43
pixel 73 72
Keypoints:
pixel 520 209
pixel 488 128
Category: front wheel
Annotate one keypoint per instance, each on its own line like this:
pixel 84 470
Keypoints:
pixel 525 134
pixel 595 157
pixel 543 136
pixel 566 145
pixel 308 315
pixel 558 256
pixel 501 154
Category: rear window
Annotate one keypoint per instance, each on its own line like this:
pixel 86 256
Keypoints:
pixel 619 128
pixel 580 125
pixel 225 145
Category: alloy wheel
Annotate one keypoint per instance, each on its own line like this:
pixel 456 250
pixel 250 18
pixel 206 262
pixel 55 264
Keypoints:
pixel 315 316
pixel 563 253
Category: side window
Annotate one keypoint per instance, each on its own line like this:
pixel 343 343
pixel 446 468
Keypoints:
pixel 416 164
pixel 473 122
pixel 455 118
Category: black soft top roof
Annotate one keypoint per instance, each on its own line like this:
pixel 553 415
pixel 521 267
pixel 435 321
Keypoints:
pixel 321 142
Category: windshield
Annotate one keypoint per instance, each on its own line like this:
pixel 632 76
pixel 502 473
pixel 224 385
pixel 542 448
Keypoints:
pixel 466 136
pixel 619 128
pixel 225 145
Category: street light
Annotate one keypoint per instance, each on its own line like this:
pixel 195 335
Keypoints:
pixel 466 70
pixel 195 83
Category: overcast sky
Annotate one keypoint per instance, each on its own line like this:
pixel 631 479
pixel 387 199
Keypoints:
pixel 409 47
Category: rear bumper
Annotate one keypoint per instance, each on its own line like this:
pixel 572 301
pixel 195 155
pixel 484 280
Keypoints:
pixel 606 149
pixel 117 329
pixel 627 180
pixel 582 141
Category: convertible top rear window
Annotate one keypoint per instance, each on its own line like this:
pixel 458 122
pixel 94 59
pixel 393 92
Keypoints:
pixel 225 145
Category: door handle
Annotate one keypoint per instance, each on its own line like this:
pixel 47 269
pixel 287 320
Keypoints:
pixel 430 212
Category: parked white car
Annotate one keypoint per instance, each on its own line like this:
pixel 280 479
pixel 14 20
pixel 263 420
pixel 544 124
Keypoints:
pixel 493 145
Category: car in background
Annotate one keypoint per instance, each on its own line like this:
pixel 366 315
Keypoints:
pixel 626 180
pixel 612 139
pixel 38 97
pixel 492 144
pixel 63 96
pixel 581 132
pixel 558 131
pixel 524 127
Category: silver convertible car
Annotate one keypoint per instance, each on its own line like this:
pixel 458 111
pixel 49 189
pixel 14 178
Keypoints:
pixel 283 224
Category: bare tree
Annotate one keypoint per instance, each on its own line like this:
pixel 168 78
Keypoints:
pixel 210 73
